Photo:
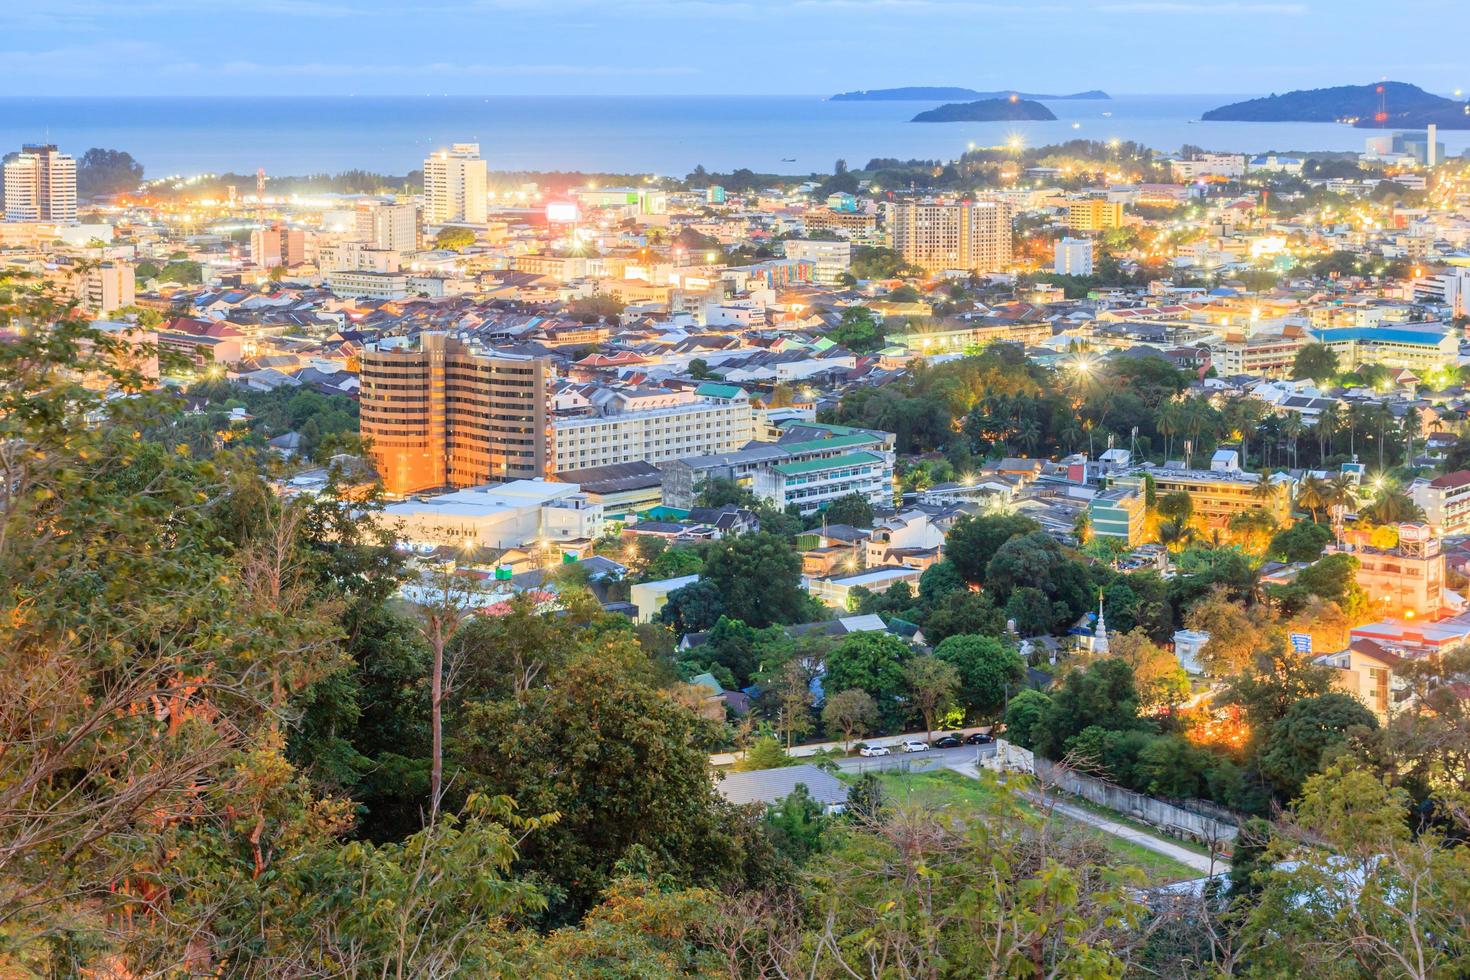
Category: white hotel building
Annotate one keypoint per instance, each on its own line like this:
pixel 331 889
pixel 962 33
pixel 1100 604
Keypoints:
pixel 654 425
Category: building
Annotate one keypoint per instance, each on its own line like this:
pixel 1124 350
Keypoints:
pixel 1406 580
pixel 858 226
pixel 389 226
pixel 103 287
pixel 769 787
pixel 813 484
pixel 1073 257
pixel 837 592
pixel 454 186
pixel 830 260
pixel 41 185
pixel 368 284
pixel 714 418
pixel 1417 346
pixel 518 514
pixel 1259 355
pixel 1445 501
pixel 1094 214
pixel 1220 165
pixel 1219 495
pixel 1118 513
pixel 277 246
pixel 1365 670
pixel 948 335
pixel 935 236
pixel 445 414
pixel 650 597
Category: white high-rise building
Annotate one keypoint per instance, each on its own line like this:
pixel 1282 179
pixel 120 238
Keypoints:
pixel 1073 257
pixel 389 226
pixel 454 186
pixel 41 185
pixel 937 236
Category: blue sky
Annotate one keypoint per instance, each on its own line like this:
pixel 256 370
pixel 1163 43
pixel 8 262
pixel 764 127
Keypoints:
pixel 605 47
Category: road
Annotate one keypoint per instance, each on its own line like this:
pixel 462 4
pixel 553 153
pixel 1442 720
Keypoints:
pixel 1192 859
pixel 919 761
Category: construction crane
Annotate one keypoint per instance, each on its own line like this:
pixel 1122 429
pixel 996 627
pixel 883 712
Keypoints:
pixel 260 197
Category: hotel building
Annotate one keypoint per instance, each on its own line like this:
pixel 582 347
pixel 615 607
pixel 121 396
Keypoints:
pixel 935 236
pixel 41 185
pixel 454 186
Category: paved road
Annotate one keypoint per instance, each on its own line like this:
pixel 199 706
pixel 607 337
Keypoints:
pixel 918 761
pixel 1159 845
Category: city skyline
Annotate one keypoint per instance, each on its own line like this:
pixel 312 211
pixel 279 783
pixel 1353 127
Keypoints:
pixel 664 47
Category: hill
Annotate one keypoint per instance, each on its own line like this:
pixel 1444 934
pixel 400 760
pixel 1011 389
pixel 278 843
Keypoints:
pixel 1407 105
pixel 988 110
pixel 928 93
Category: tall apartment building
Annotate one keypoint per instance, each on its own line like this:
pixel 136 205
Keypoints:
pixel 1073 257
pixel 454 186
pixel 389 226
pixel 445 414
pixel 105 287
pixel 935 236
pixel 830 260
pixel 1093 214
pixel 277 246
pixel 1445 501
pixel 41 185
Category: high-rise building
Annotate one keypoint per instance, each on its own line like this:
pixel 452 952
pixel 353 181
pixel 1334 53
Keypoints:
pixel 1094 214
pixel 454 186
pixel 1073 257
pixel 389 226
pixel 445 414
pixel 975 235
pixel 106 287
pixel 41 185
pixel 277 246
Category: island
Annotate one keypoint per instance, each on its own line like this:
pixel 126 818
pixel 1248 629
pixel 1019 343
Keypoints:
pixel 988 110
pixel 932 93
pixel 1403 105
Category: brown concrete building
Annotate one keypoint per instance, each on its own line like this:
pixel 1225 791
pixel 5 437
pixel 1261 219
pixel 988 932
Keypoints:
pixel 446 415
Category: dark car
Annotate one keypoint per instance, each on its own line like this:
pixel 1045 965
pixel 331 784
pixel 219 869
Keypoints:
pixel 948 742
pixel 979 738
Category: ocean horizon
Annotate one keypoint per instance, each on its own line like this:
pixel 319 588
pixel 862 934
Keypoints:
pixel 666 135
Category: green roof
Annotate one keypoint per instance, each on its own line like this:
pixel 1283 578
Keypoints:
pixel 836 430
pixel 836 462
pixel 711 390
pixel 836 442
pixel 707 681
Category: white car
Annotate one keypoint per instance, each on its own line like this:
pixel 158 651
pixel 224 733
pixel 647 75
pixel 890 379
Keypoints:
pixel 914 745
pixel 872 750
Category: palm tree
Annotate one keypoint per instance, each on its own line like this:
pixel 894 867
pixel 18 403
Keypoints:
pixel 1175 534
pixel 1393 507
pixel 1314 494
pixel 1292 427
pixel 1327 424
pixel 1343 491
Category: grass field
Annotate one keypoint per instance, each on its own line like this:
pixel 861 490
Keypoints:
pixel 944 788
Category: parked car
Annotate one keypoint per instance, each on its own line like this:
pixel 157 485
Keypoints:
pixel 979 738
pixel 948 742
pixel 871 750
pixel 914 745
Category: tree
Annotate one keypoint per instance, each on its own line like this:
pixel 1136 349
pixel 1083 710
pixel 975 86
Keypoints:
pixel 183 273
pixel 693 608
pixel 454 238
pixel 1315 361
pixel 1177 507
pixel 792 688
pixel 1024 713
pixel 1298 744
pixel 722 492
pixel 1101 694
pixel 974 540
pixel 962 613
pixel 765 753
pixel 102 171
pixel 1237 633
pixel 1393 507
pixel 851 712
pixel 445 609
pixel 796 824
pixel 1161 682
pixel 858 330
pixel 1033 613
pixel 939 581
pixel 871 662
pixel 758 579
pixel 932 684
pixel 1302 542
pixel 988 670
pixel 642 775
pixel 852 509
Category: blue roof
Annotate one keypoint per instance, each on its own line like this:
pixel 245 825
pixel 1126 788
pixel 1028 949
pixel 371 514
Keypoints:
pixel 1396 334
pixel 1223 291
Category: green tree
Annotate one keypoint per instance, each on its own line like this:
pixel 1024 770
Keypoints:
pixel 858 330
pixel 988 670
pixel 102 171
pixel 1302 542
pixel 722 492
pixel 1100 694
pixel 796 824
pixel 871 662
pixel 693 608
pixel 758 579
pixel 1024 714
pixel 1299 744
pixel 932 684
pixel 454 239
pixel 765 753
pixel 852 509
pixel 974 540
pixel 852 712
pixel 1317 362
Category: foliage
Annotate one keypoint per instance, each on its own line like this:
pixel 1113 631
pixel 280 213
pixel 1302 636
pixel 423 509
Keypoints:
pixel 1307 731
pixel 870 662
pixel 1024 714
pixel 1303 541
pixel 852 712
pixel 932 683
pixel 859 330
pixel 974 540
pixel 693 608
pixel 757 578
pixel 102 171
pixel 1317 362
pixel 764 753
pixel 852 509
pixel 1100 694
pixel 1161 682
pixel 454 238
pixel 988 670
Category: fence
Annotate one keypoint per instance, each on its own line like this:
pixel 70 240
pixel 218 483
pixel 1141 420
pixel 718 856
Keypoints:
pixel 1191 824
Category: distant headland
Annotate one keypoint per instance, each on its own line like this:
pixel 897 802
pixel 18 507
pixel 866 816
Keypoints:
pixel 988 110
pixel 1379 105
pixel 925 94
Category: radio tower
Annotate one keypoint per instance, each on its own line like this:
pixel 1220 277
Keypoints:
pixel 260 197
pixel 1381 117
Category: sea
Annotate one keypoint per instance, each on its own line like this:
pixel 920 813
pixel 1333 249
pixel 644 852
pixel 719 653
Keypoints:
pixel 666 135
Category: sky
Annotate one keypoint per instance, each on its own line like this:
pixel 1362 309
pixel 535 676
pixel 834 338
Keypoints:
pixel 724 47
